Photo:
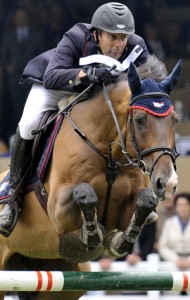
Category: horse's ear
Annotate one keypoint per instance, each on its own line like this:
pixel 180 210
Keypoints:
pixel 133 79
pixel 170 82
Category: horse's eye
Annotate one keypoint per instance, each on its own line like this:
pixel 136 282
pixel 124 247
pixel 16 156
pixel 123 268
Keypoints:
pixel 140 120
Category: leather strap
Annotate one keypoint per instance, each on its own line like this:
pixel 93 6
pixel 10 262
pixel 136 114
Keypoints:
pixel 41 194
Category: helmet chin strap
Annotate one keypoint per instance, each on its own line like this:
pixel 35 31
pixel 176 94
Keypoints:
pixel 96 38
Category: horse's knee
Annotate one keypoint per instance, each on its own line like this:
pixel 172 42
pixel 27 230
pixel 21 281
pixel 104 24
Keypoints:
pixel 146 201
pixel 84 195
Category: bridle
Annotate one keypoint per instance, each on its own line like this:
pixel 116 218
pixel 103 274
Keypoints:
pixel 140 154
pixel 138 161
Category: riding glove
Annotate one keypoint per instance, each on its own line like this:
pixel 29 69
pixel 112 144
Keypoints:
pixel 99 75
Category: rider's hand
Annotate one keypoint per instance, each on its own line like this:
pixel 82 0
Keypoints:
pixel 99 75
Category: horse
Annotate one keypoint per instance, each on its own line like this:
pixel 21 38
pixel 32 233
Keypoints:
pixel 113 160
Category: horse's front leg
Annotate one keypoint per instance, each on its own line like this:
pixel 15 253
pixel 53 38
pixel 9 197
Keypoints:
pixel 122 243
pixel 80 236
pixel 85 197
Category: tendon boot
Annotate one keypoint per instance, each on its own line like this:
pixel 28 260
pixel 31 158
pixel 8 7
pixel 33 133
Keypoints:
pixel 20 159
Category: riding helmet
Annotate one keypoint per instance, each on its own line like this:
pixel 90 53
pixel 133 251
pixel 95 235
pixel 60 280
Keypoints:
pixel 114 17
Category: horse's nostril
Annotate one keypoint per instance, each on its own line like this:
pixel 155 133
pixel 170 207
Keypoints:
pixel 160 184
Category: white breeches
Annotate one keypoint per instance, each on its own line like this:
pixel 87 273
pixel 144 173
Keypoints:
pixel 38 102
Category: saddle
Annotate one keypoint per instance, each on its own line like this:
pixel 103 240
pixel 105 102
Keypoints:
pixel 41 155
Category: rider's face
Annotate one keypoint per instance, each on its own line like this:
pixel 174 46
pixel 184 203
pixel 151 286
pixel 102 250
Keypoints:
pixel 111 44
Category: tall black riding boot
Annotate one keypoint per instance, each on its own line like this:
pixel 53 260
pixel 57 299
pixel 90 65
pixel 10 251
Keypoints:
pixel 20 159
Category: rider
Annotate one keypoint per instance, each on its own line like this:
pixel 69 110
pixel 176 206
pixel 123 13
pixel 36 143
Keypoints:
pixel 57 71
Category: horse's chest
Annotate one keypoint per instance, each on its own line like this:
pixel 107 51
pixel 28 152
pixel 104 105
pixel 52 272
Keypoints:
pixel 122 186
pixel 116 200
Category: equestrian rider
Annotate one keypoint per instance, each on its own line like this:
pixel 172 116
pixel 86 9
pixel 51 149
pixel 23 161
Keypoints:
pixel 57 71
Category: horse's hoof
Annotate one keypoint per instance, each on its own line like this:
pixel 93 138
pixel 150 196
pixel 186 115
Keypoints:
pixel 72 250
pixel 110 246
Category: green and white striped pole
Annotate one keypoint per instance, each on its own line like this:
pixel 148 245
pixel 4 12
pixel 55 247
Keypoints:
pixel 93 281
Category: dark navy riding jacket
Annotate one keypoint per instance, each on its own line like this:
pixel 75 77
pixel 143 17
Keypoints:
pixel 58 68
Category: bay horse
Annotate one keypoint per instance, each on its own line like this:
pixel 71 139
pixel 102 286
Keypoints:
pixel 112 161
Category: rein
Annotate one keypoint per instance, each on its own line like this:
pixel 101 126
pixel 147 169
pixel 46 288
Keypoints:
pixel 68 107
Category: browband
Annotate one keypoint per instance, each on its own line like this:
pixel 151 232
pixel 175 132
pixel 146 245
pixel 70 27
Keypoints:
pixel 149 95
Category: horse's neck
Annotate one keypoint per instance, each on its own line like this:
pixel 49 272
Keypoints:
pixel 95 118
pixel 96 124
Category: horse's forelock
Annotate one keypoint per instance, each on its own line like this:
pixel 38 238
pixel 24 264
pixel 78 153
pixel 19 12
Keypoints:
pixel 153 68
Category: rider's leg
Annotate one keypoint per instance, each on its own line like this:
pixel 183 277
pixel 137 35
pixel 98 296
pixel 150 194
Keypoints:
pixel 20 159
pixel 39 101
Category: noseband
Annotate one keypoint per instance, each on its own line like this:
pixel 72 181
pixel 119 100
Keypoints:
pixel 140 154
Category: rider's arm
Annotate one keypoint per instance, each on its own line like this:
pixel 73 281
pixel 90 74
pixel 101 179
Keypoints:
pixel 63 70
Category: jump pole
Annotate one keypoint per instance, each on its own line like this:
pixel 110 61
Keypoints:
pixel 93 281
